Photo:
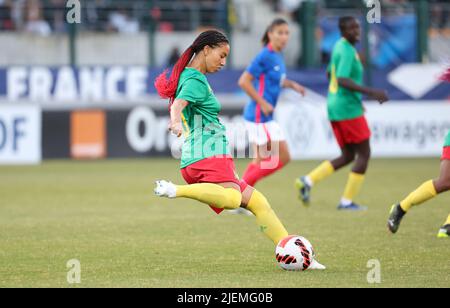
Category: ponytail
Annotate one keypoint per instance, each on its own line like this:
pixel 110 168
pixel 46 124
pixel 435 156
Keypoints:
pixel 167 87
pixel 265 40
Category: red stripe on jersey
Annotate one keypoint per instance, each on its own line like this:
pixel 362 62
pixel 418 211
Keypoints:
pixel 262 85
pixel 267 133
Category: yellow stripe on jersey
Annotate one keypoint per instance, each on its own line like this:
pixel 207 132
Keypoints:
pixel 333 82
pixel 187 132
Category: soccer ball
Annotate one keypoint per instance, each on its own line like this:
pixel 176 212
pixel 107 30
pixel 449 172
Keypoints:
pixel 294 253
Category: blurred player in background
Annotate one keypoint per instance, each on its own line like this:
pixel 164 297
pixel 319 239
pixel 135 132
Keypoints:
pixel 427 190
pixel 346 113
pixel 263 81
pixel 206 164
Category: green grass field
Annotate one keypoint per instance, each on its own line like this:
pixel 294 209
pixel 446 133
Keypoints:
pixel 105 215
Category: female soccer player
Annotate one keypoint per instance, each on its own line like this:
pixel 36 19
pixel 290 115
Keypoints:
pixel 427 190
pixel 206 164
pixel 263 81
pixel 346 113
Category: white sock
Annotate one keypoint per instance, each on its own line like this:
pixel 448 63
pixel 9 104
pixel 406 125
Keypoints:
pixel 309 181
pixel 345 202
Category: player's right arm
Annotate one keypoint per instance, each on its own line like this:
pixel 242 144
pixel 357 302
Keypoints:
pixel 255 70
pixel 175 125
pixel 193 91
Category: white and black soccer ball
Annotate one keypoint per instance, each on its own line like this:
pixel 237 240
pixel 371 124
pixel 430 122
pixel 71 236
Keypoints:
pixel 294 253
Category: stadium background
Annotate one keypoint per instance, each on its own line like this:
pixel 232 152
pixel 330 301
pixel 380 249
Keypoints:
pixel 84 80
pixel 72 93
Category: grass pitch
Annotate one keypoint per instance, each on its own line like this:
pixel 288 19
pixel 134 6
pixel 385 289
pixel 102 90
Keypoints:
pixel 105 215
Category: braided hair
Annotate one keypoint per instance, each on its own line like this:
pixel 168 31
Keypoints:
pixel 167 87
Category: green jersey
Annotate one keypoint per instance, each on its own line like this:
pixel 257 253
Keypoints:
pixel 204 135
pixel 344 104
pixel 447 140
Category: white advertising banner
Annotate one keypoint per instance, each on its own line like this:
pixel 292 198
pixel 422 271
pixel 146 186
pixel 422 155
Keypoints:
pixel 399 129
pixel 20 134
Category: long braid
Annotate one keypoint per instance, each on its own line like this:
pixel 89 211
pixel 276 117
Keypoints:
pixel 167 87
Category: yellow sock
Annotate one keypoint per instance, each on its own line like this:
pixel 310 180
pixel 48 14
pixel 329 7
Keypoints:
pixel 424 193
pixel 448 221
pixel 211 194
pixel 266 217
pixel 353 187
pixel 323 171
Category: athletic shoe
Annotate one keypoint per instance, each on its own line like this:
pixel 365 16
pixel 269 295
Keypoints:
pixel 396 216
pixel 444 232
pixel 351 207
pixel 240 211
pixel 165 189
pixel 304 190
pixel 316 266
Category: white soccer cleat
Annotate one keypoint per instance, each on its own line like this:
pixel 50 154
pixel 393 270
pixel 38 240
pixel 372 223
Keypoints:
pixel 165 189
pixel 316 266
pixel 240 211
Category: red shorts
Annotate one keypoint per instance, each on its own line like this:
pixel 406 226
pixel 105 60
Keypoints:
pixel 218 169
pixel 352 131
pixel 446 154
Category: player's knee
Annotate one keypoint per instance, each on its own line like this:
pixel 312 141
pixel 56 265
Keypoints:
pixel 443 185
pixel 234 199
pixel 361 166
pixel 286 159
pixel 366 155
pixel 348 158
pixel 256 161
pixel 447 184
pixel 446 187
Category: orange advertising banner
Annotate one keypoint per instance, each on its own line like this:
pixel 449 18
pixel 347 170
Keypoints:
pixel 88 134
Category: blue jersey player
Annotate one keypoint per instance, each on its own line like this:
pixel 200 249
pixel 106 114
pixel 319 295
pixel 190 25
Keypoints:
pixel 263 81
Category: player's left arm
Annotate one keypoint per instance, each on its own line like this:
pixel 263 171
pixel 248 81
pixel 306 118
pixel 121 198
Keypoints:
pixel 378 94
pixel 294 86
